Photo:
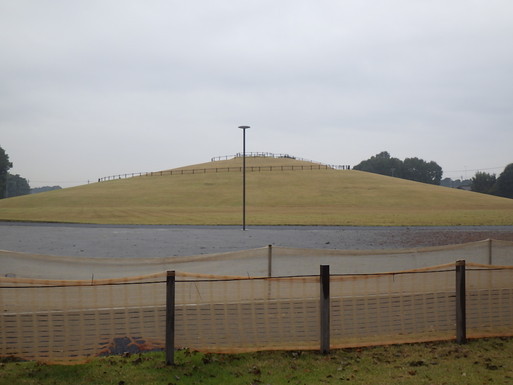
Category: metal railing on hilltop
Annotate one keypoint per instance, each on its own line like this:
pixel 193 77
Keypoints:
pixel 272 155
pixel 258 154
pixel 315 166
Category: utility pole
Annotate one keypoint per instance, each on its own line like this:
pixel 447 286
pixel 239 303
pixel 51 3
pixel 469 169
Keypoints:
pixel 244 128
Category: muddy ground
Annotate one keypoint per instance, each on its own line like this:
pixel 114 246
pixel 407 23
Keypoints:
pixel 164 241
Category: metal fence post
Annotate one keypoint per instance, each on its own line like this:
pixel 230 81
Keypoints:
pixel 325 308
pixel 490 252
pixel 170 318
pixel 461 321
pixel 270 261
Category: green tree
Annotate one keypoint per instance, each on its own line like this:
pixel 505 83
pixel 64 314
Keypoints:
pixel 505 182
pixel 16 185
pixel 421 171
pixel 484 183
pixel 381 163
pixel 5 166
pixel 411 168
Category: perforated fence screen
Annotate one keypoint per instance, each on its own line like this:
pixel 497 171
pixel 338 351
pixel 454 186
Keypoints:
pixel 71 321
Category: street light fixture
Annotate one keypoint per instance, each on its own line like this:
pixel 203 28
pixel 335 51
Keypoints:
pixel 244 128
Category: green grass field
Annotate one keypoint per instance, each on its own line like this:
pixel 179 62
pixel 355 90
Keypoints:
pixel 308 197
pixel 442 363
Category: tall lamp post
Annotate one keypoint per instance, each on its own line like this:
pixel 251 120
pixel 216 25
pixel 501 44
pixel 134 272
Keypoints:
pixel 244 128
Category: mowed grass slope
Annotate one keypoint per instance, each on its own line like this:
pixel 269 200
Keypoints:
pixel 476 363
pixel 301 197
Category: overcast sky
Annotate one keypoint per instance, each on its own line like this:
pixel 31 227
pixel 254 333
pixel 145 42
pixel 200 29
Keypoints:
pixel 91 88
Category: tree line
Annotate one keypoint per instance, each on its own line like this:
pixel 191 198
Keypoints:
pixel 410 168
pixel 420 170
pixel 11 185
pixel 502 185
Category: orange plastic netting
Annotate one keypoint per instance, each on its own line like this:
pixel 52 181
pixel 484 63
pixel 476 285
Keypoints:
pixel 71 321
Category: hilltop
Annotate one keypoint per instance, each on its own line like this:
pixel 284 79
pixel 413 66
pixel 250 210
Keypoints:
pixel 294 193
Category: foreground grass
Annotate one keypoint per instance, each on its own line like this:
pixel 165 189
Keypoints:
pixel 480 362
pixel 310 197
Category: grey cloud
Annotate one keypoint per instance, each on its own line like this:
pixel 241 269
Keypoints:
pixel 328 78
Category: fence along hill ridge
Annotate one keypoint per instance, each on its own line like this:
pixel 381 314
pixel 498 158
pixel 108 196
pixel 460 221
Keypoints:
pixel 257 161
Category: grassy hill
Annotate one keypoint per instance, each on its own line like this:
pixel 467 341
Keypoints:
pixel 299 197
